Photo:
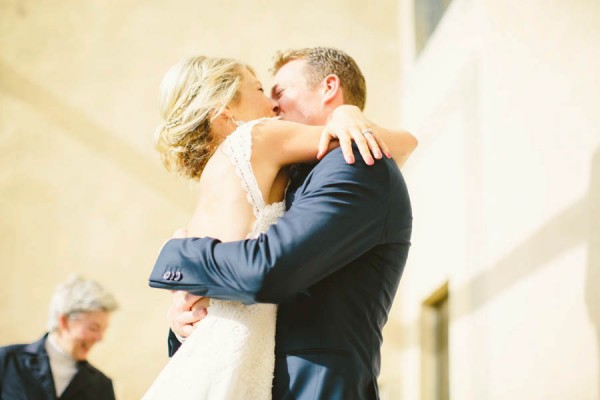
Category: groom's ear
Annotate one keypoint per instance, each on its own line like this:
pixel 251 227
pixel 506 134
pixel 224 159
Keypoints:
pixel 332 89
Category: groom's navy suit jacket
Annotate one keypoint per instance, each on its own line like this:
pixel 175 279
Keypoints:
pixel 332 262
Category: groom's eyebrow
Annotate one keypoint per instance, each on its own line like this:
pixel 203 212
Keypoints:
pixel 274 91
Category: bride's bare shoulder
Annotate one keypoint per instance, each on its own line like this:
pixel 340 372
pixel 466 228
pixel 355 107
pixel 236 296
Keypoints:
pixel 268 134
pixel 271 127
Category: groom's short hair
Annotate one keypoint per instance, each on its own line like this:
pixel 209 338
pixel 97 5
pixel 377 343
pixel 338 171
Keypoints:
pixel 323 61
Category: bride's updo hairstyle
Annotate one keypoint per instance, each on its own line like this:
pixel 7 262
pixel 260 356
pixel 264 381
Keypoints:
pixel 192 94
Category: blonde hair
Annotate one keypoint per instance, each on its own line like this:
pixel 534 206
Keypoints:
pixel 323 61
pixel 192 94
pixel 77 295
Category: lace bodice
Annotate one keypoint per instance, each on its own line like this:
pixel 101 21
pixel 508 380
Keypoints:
pixel 231 354
pixel 238 147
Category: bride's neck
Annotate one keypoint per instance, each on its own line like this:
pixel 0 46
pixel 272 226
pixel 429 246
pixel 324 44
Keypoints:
pixel 220 131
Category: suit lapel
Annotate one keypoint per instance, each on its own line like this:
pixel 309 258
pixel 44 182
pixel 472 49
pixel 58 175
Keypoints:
pixel 35 359
pixel 298 174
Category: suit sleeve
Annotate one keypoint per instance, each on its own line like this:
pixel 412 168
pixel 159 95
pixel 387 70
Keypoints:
pixel 339 215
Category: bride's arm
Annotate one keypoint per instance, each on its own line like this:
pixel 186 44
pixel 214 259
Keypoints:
pixel 285 143
pixel 398 144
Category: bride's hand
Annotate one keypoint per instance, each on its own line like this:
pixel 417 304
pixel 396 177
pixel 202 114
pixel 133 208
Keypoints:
pixel 185 312
pixel 347 123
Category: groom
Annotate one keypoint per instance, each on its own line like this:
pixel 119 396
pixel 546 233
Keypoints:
pixel 332 262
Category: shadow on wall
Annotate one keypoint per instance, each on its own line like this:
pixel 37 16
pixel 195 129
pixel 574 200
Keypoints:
pixel 563 232
pixel 579 223
pixel 592 279
pixel 81 128
pixel 26 201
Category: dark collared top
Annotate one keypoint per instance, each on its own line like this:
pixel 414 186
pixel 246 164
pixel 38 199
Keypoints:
pixel 25 373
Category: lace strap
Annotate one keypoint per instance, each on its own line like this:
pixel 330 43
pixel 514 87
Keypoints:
pixel 238 147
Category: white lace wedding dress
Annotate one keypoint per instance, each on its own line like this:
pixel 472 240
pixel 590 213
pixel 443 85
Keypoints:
pixel 231 354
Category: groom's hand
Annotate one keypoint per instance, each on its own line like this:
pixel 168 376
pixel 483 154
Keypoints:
pixel 186 311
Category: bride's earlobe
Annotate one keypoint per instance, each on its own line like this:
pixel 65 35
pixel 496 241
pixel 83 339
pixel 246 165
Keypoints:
pixel 227 113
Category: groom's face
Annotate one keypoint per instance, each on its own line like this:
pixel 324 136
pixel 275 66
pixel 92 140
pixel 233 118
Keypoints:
pixel 297 100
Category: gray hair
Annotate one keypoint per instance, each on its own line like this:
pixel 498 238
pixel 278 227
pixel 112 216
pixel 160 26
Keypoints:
pixel 77 295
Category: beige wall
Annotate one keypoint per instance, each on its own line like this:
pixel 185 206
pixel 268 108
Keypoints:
pixel 81 186
pixel 506 195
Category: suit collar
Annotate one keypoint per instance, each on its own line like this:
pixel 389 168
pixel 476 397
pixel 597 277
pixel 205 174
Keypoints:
pixel 37 347
pixel 35 359
pixel 298 173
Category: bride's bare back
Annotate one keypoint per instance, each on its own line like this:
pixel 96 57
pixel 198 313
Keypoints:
pixel 223 210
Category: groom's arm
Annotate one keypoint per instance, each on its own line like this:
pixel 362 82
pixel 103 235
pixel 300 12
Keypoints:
pixel 340 215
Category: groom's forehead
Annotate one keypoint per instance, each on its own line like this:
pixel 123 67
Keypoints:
pixel 290 75
pixel 293 71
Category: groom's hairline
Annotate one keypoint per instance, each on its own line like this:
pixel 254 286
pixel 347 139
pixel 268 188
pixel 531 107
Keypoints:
pixel 353 84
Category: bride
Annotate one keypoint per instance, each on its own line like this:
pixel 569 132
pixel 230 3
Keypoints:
pixel 221 129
